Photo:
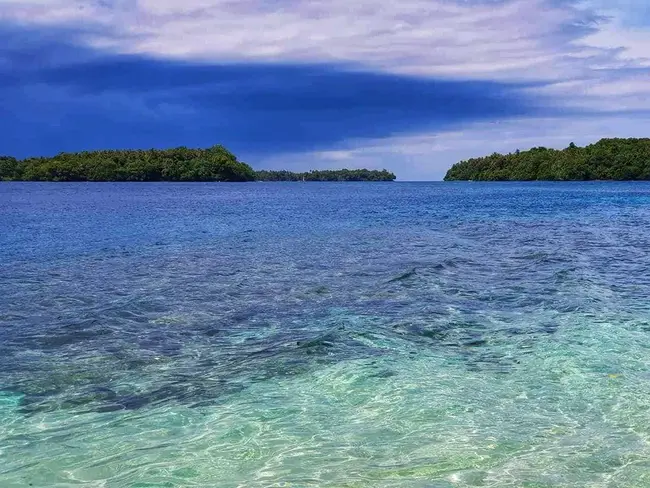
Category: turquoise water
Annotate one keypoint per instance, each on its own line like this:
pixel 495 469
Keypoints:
pixel 334 335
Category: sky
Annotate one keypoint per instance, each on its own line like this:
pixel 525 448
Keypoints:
pixel 411 86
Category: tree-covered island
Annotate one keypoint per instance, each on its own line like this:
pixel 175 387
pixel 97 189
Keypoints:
pixel 179 164
pixel 608 159
pixel 327 175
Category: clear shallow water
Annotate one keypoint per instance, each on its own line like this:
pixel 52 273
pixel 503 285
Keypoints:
pixel 337 335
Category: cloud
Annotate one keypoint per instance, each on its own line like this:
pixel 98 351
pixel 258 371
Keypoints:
pixel 628 13
pixel 518 39
pixel 568 42
pixel 107 101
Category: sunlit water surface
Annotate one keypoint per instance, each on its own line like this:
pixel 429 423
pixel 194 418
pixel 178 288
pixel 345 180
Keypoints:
pixel 330 335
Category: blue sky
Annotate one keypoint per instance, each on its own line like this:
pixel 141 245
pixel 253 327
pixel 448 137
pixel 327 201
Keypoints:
pixel 412 86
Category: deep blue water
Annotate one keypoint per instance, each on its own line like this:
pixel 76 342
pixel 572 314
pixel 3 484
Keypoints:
pixel 307 334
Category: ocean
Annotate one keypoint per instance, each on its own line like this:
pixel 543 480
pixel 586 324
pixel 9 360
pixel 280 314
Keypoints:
pixel 325 335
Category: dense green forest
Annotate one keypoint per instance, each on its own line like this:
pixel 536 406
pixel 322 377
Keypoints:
pixel 327 175
pixel 608 159
pixel 180 164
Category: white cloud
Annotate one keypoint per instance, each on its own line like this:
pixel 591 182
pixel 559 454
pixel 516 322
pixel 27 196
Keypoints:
pixel 512 39
pixel 633 43
pixel 612 91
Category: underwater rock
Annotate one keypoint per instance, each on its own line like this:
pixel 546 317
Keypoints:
pixel 404 276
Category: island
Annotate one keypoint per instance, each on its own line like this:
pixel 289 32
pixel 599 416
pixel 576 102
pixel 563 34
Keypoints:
pixel 327 175
pixel 607 159
pixel 179 164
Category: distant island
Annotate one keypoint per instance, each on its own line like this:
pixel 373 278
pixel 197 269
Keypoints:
pixel 608 159
pixel 326 175
pixel 179 164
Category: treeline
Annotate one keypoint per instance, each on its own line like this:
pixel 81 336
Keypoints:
pixel 180 164
pixel 608 159
pixel 327 175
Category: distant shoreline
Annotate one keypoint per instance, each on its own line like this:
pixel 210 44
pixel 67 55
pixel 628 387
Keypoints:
pixel 210 181
pixel 606 160
pixel 182 164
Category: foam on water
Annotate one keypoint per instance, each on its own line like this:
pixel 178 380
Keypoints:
pixel 420 335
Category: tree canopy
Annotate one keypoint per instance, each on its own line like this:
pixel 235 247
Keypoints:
pixel 608 159
pixel 327 175
pixel 179 164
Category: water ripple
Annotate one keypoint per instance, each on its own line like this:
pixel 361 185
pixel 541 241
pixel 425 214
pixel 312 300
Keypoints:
pixel 325 335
